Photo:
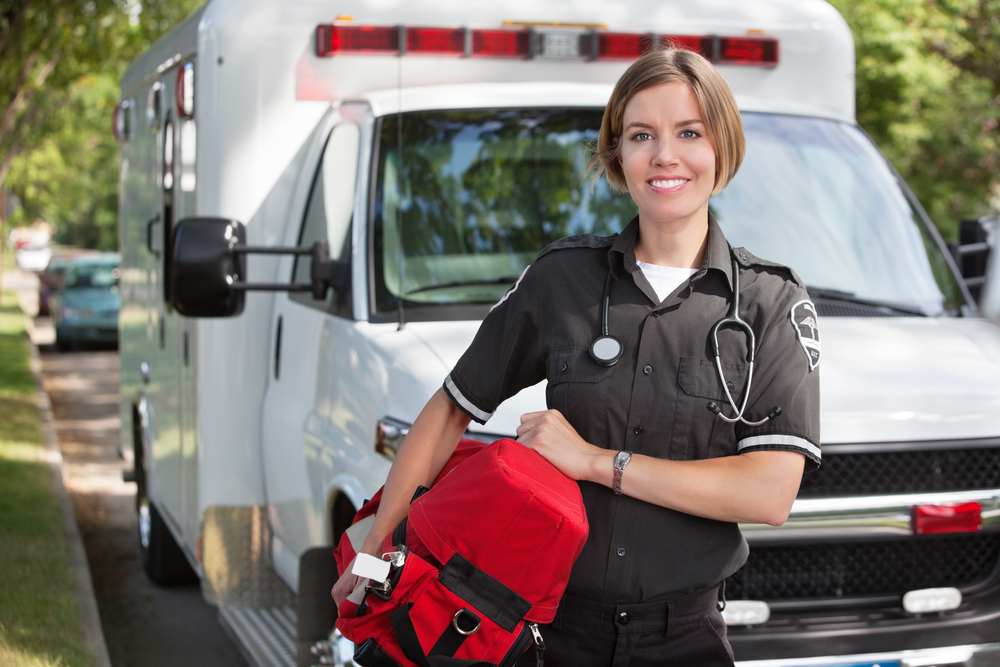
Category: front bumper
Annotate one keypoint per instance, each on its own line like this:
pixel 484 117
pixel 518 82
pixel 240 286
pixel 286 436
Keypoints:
pixel 975 655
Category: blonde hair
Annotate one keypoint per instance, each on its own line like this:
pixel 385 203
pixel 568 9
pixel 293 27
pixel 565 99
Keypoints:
pixel 715 100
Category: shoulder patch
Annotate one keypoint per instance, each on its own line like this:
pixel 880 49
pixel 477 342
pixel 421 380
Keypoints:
pixel 803 316
pixel 581 241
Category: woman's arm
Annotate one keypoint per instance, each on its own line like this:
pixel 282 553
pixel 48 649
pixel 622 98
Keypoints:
pixel 756 487
pixel 427 447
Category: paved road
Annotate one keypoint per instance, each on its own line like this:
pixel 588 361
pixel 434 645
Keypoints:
pixel 144 626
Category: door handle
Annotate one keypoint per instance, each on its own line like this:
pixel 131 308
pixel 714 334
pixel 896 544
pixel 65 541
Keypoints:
pixel 149 234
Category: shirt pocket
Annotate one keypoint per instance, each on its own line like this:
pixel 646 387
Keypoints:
pixel 698 433
pixel 578 388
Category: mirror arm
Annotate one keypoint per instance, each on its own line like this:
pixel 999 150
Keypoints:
pixel 324 273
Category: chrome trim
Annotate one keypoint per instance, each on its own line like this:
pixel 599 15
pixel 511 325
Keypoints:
pixel 868 516
pixel 939 657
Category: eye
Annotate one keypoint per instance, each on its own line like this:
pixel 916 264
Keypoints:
pixel 641 136
pixel 690 134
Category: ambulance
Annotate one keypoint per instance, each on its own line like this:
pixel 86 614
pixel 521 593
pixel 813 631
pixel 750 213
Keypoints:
pixel 320 201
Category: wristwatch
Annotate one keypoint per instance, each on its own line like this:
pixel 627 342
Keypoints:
pixel 621 460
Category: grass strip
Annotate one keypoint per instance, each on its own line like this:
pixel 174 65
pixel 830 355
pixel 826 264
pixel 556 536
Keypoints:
pixel 38 617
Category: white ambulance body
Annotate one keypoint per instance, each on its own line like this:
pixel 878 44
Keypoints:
pixel 257 436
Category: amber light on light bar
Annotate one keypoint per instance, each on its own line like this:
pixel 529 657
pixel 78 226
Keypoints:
pixel 934 519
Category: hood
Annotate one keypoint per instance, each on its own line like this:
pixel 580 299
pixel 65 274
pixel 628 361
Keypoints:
pixel 907 379
pixel 423 354
pixel 882 379
pixel 91 297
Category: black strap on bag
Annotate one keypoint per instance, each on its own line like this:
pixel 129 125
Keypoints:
pixel 442 654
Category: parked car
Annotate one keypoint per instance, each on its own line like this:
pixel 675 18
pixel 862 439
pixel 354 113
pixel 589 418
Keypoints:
pixel 86 306
pixel 48 280
pixel 32 257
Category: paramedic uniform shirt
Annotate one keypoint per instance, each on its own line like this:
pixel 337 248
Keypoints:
pixel 653 401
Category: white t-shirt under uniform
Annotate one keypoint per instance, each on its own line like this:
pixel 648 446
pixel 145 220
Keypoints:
pixel 664 279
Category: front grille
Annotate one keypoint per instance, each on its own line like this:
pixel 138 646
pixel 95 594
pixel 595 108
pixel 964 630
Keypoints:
pixel 872 473
pixel 834 308
pixel 864 569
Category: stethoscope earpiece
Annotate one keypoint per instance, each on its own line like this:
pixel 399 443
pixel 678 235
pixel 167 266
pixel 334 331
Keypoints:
pixel 606 350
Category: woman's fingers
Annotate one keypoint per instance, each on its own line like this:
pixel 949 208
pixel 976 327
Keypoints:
pixel 345 585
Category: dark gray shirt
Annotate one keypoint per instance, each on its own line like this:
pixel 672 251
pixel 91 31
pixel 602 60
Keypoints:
pixel 653 401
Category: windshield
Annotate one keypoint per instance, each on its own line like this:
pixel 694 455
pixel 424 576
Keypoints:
pixel 481 192
pixel 91 275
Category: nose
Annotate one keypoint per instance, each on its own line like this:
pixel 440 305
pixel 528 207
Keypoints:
pixel 665 155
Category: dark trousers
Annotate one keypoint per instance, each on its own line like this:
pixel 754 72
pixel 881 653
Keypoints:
pixel 685 631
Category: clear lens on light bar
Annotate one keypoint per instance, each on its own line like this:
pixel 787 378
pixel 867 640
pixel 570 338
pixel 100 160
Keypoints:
pixel 557 44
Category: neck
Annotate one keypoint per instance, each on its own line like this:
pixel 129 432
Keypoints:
pixel 678 243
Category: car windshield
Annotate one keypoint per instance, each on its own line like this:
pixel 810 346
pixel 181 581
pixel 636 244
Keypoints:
pixel 481 192
pixel 91 275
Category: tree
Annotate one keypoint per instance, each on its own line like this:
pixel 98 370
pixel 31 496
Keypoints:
pixel 62 60
pixel 925 95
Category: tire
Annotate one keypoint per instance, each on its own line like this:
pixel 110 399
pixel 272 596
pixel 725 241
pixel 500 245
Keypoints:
pixel 162 559
pixel 63 344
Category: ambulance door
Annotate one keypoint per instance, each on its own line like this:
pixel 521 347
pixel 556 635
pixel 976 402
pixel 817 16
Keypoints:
pixel 163 349
pixel 301 419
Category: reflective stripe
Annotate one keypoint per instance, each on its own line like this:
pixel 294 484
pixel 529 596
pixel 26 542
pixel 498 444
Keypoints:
pixel 512 289
pixel 783 440
pixel 465 404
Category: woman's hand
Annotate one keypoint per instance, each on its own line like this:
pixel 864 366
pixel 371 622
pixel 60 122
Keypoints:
pixel 549 434
pixel 345 585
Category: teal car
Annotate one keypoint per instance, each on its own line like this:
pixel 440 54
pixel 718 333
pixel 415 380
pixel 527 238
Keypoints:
pixel 87 304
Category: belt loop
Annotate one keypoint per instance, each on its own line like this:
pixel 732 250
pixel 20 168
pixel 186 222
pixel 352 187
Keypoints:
pixel 722 596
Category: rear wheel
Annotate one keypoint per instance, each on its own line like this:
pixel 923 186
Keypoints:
pixel 63 344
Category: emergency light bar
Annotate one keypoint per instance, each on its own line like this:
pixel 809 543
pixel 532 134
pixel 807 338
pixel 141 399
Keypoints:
pixel 535 43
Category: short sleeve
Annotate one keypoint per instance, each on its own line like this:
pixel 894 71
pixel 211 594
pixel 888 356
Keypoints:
pixel 786 376
pixel 504 357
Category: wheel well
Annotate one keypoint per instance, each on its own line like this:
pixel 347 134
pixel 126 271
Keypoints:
pixel 341 515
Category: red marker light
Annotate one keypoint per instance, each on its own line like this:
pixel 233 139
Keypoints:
pixel 701 45
pixel 748 51
pixel 333 39
pixel 501 43
pixel 934 519
pixel 622 46
pixel 435 41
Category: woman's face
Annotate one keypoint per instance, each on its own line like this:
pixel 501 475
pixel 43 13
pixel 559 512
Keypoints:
pixel 666 155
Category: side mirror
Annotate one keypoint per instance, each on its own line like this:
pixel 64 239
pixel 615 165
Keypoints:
pixel 204 267
pixel 208 268
pixel 972 252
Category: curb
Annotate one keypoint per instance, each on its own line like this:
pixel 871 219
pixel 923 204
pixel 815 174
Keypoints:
pixel 86 603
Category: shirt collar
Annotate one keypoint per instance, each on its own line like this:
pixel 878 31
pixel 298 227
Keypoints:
pixel 717 254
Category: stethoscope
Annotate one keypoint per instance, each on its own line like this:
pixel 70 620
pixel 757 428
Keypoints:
pixel 607 350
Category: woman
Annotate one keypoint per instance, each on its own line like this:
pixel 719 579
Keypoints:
pixel 664 477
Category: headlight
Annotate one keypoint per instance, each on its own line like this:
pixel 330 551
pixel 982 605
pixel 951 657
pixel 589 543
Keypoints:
pixel 389 434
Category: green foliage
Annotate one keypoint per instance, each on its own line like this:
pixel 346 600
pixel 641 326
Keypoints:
pixel 61 63
pixel 926 97
pixel 38 622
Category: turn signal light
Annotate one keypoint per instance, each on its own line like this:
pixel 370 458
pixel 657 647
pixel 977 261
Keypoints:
pixel 961 518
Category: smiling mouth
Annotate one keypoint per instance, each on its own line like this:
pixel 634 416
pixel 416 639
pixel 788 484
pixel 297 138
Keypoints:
pixel 667 184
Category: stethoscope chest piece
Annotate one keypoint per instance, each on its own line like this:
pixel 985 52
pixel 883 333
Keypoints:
pixel 606 350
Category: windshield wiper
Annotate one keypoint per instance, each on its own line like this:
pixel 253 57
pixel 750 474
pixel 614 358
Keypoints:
pixel 506 280
pixel 849 297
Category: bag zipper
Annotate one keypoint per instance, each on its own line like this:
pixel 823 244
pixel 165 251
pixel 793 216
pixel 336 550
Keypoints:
pixel 524 640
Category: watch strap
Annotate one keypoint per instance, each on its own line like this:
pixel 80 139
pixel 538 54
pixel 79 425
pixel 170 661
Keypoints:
pixel 621 460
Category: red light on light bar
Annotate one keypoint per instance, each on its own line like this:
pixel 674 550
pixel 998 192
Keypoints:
pixel 622 46
pixel 748 51
pixel 501 43
pixel 332 39
pixel 435 41
pixel 701 45
pixel 933 519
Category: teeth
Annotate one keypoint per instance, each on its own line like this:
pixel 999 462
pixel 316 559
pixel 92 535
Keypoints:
pixel 672 183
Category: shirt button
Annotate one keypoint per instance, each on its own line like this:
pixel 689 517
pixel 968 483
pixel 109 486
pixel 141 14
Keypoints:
pixel 563 366
pixel 730 385
pixel 656 313
pixel 637 430
pixel 623 618
pixel 621 551
pixel 647 369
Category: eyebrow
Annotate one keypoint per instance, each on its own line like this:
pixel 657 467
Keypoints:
pixel 683 123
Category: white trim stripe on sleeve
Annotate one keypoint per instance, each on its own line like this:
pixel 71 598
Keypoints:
pixel 512 289
pixel 784 440
pixel 464 402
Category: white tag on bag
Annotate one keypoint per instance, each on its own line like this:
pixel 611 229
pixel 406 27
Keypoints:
pixel 369 567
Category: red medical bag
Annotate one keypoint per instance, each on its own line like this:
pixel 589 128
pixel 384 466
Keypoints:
pixel 480 560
